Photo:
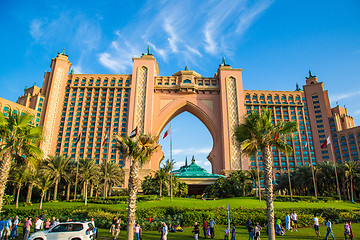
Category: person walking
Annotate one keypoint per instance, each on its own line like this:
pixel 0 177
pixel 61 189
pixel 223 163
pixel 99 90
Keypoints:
pixel 347 230
pixel 15 230
pixel 112 228
pixel 233 232
pixel 117 228
pixel 47 224
pixel 2 226
pixel 165 231
pixel 329 229
pixel 294 219
pixel 205 227
pixel 257 231
pixel 250 230
pixel 8 228
pixel 212 226
pixel 316 225
pixel 37 224
pixel 227 233
pixel 27 226
pixel 196 231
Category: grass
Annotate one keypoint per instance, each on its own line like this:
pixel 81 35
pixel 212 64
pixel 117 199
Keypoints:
pixel 245 202
pixel 241 233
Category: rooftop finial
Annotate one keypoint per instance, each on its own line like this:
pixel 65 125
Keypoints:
pixel 310 75
pixel 297 87
pixel 148 52
pixel 34 84
pixel 186 161
pixel 63 51
pixel 186 68
pixel 72 71
pixel 193 159
pixel 223 63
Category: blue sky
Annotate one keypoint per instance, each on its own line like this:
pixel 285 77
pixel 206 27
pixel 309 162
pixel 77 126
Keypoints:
pixel 275 42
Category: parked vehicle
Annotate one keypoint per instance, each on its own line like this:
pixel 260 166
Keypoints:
pixel 67 231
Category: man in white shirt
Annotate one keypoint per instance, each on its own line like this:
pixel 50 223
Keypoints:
pixel 329 229
pixel 14 231
pixel 8 227
pixel 165 231
pixel 38 224
pixel 316 225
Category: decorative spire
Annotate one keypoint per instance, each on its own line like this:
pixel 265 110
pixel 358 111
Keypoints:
pixel 72 71
pixel 34 84
pixel 148 53
pixel 186 162
pixel 310 75
pixel 297 87
pixel 63 52
pixel 186 68
pixel 223 63
pixel 193 159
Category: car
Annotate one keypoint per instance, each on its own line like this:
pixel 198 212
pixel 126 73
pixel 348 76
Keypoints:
pixel 67 231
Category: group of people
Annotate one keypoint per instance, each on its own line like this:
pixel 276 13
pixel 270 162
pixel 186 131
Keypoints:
pixel 115 227
pixel 254 230
pixel 208 228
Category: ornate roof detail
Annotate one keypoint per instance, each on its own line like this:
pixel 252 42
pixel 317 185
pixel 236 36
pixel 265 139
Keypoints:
pixel 194 171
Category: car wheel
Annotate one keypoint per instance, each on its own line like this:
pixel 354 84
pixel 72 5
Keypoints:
pixel 75 239
pixel 38 239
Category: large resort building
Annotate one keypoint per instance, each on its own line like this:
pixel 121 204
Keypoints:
pixel 94 106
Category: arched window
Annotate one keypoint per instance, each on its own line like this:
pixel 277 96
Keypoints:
pixel 187 81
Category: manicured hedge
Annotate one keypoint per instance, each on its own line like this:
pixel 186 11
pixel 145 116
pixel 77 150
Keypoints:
pixel 287 198
pixel 120 199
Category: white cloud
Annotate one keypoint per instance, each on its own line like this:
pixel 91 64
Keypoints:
pixel 173 38
pixel 340 96
pixel 36 30
pixel 192 151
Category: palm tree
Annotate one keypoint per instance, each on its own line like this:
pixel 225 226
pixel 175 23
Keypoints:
pixel 30 183
pixel 19 141
pixel 258 132
pixel 43 181
pixel 88 170
pixel 114 175
pixel 350 173
pixel 161 177
pixel 138 151
pixel 57 165
pixel 18 175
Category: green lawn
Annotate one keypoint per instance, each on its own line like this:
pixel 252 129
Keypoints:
pixel 302 233
pixel 188 202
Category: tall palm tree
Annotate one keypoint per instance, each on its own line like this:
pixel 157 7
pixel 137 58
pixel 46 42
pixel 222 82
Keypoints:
pixel 44 181
pixel 114 175
pixel 350 173
pixel 258 132
pixel 19 140
pixel 57 165
pixel 161 177
pixel 137 151
pixel 30 183
pixel 88 170
pixel 18 175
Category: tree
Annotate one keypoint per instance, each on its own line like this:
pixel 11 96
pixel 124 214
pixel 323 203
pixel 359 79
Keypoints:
pixel 43 181
pixel 161 177
pixel 350 173
pixel 18 175
pixel 19 141
pixel 56 166
pixel 258 132
pixel 114 175
pixel 137 151
pixel 88 170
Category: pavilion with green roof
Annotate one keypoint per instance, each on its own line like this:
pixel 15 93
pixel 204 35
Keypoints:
pixel 196 177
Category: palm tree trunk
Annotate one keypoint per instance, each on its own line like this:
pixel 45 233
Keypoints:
pixel 29 192
pixel 289 178
pixel 160 188
pixel 133 189
pixel 258 175
pixel 48 195
pixel 268 177
pixel 352 190
pixel 4 173
pixel 17 196
pixel 85 191
pixel 92 189
pixel 68 192
pixel 41 199
pixel 55 189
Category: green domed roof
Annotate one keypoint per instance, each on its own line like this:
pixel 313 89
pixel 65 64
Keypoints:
pixel 194 171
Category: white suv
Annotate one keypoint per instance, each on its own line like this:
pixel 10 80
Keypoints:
pixel 67 231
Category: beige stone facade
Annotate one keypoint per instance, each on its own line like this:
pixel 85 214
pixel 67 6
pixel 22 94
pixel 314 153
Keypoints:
pixel 96 105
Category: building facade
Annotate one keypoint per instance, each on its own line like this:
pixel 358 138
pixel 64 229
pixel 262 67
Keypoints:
pixel 96 107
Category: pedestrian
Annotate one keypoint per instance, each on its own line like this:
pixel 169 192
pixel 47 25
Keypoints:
pixel 196 231
pixel 47 224
pixel 140 232
pixel 53 220
pixel 93 222
pixel 2 226
pixel 112 228
pixel 137 231
pixel 117 228
pixel 15 230
pixel 287 222
pixel 329 229
pixel 233 232
pixel 278 227
pixel 316 225
pixel 24 227
pixel 227 233
pixel 165 231
pixel 257 231
pixel 42 216
pixel 250 230
pixel 212 226
pixel 205 227
pixel 27 226
pixel 8 227
pixel 347 230
pixel 37 224
pixel 294 219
